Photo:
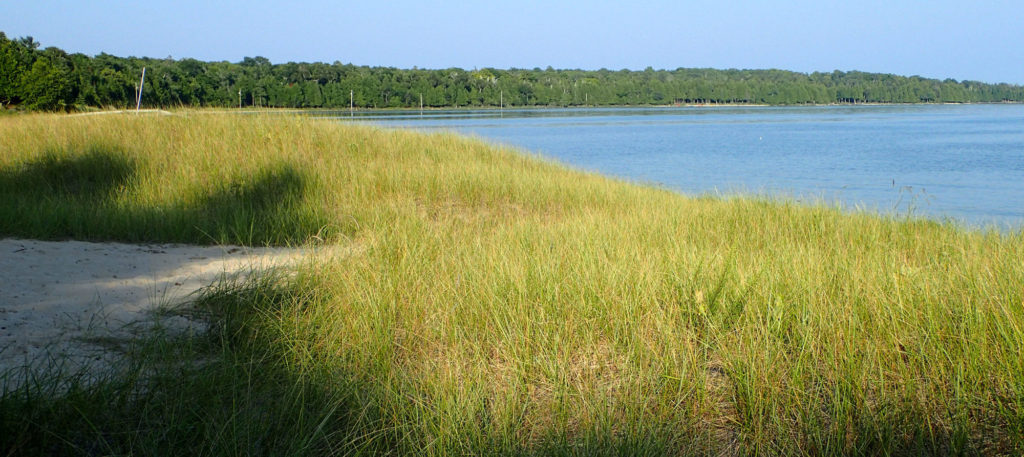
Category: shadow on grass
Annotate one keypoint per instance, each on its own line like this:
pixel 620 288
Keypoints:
pixel 88 178
pixel 247 387
pixel 266 208
pixel 243 388
pixel 91 195
pixel 222 392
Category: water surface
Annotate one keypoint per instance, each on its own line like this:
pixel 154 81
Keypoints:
pixel 960 162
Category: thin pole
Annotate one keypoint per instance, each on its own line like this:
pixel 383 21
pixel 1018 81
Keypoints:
pixel 351 96
pixel 501 103
pixel 239 98
pixel 138 100
pixel 421 105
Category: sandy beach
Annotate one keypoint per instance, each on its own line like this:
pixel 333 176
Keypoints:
pixel 58 298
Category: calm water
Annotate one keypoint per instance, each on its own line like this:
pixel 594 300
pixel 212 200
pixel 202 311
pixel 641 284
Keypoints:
pixel 943 161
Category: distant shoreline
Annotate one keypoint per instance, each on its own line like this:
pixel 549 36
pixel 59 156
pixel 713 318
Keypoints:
pixel 169 110
pixel 251 110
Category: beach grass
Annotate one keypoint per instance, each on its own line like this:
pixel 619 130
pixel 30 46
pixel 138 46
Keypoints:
pixel 480 300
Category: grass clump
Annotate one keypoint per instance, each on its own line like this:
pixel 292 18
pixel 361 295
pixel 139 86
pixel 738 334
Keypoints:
pixel 478 300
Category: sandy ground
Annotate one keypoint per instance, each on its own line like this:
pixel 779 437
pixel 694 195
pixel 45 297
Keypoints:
pixel 57 299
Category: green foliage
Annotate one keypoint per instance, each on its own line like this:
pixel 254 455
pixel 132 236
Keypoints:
pixel 109 81
pixel 15 59
pixel 45 86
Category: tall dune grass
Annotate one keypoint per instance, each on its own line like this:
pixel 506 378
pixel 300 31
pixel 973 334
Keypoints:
pixel 485 301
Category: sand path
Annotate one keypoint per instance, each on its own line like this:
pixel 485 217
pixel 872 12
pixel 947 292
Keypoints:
pixel 57 296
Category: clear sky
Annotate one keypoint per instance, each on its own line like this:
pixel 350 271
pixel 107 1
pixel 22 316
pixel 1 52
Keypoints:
pixel 979 40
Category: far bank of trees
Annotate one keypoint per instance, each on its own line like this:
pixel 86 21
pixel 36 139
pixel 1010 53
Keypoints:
pixel 52 79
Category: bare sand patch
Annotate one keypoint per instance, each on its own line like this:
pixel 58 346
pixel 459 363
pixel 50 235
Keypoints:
pixel 58 298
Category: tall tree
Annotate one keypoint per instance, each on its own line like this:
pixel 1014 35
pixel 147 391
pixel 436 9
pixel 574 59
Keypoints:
pixel 16 57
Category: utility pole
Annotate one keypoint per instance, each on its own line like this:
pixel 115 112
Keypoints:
pixel 138 99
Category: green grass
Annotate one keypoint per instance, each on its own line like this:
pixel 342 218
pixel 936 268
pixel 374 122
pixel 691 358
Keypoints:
pixel 484 301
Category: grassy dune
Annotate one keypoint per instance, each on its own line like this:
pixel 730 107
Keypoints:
pixel 485 301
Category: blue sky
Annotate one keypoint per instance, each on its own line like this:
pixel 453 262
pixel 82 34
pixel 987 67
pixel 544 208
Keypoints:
pixel 981 40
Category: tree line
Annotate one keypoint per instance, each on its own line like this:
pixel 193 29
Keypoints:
pixel 52 79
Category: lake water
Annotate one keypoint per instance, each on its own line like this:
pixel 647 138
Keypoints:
pixel 962 162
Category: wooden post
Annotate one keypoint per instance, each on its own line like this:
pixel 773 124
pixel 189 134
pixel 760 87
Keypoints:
pixel 138 99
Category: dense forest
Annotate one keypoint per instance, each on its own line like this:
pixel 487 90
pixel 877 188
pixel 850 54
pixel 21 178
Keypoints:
pixel 52 79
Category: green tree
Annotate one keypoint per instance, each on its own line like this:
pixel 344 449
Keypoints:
pixel 46 86
pixel 16 57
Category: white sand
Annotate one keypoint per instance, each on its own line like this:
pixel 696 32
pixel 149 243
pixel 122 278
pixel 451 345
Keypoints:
pixel 57 296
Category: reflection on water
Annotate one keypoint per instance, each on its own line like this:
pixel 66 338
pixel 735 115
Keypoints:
pixel 963 162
